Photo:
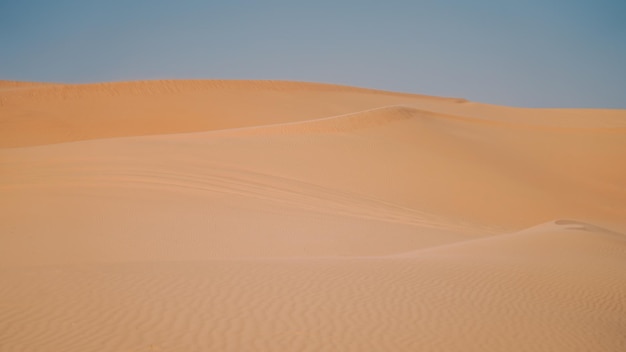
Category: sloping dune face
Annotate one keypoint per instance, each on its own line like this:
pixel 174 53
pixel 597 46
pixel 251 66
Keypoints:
pixel 285 216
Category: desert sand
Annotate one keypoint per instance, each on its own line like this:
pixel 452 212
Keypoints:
pixel 286 216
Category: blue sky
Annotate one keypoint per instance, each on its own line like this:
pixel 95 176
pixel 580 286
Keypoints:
pixel 537 53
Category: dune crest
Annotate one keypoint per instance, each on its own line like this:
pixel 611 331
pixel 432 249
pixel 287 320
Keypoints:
pixel 284 216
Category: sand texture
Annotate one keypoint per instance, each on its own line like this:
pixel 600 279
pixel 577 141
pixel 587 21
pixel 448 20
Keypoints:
pixel 286 216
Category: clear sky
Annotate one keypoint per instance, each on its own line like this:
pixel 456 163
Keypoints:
pixel 537 53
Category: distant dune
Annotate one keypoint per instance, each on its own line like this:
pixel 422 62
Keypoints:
pixel 290 216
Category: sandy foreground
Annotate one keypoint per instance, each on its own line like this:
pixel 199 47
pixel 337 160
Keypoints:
pixel 284 216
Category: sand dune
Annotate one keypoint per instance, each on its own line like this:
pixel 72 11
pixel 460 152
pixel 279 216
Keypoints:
pixel 288 216
pixel 45 114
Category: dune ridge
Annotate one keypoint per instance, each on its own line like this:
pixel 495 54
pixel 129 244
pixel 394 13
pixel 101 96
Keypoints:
pixel 291 216
pixel 70 91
